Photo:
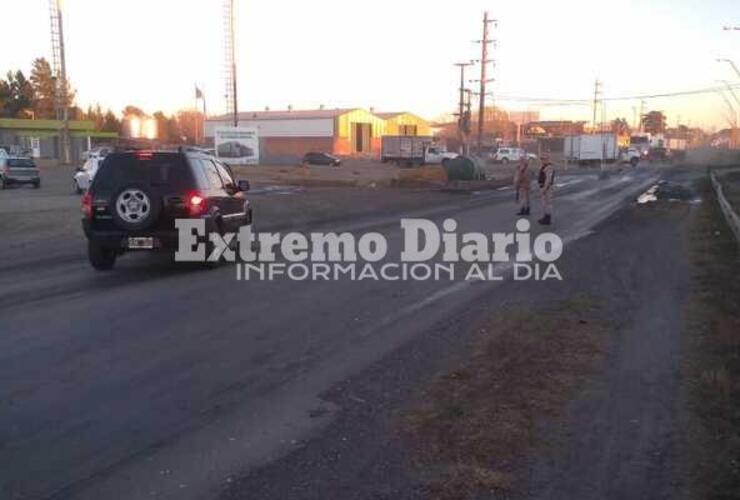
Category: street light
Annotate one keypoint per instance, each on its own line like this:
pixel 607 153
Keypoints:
pixel 731 63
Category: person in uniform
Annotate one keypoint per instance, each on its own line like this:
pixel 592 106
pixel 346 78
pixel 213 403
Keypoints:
pixel 522 184
pixel 546 181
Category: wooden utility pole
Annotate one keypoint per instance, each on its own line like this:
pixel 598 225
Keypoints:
pixel 483 80
pixel 462 122
pixel 597 92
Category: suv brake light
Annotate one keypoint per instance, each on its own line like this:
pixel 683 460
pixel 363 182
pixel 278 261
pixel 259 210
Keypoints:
pixel 86 205
pixel 196 204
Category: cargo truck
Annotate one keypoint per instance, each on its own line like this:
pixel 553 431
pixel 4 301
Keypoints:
pixel 412 150
pixel 593 148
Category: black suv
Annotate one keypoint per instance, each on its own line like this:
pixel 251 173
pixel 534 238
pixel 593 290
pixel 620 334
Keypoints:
pixel 136 196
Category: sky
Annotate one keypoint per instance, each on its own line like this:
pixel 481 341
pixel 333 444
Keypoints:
pixel 391 55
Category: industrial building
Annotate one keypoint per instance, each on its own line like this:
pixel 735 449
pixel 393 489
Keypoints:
pixel 40 138
pixel 285 136
pixel 403 123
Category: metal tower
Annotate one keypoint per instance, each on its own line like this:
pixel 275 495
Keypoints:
pixel 59 69
pixel 230 61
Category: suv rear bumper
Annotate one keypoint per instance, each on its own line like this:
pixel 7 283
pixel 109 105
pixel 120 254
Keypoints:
pixel 118 239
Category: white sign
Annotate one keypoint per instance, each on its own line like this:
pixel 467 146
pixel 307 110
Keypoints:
pixel 237 145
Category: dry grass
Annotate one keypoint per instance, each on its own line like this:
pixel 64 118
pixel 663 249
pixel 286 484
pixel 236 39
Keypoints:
pixel 482 416
pixel 712 367
pixel 731 185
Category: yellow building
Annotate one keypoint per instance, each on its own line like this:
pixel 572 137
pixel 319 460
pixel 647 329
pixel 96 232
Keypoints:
pixel 403 123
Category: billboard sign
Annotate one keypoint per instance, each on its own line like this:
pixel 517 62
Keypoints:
pixel 237 145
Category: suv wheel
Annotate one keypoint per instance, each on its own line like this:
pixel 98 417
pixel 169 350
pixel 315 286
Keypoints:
pixel 101 258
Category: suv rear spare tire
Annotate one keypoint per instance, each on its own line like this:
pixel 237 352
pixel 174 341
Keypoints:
pixel 135 207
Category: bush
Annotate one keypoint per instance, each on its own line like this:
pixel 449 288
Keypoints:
pixel 462 168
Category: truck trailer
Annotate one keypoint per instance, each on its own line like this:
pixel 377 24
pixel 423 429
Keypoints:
pixel 591 148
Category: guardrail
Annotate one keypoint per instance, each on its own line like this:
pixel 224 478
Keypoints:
pixel 733 220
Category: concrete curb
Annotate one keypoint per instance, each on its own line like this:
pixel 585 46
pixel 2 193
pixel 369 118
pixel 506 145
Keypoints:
pixel 733 220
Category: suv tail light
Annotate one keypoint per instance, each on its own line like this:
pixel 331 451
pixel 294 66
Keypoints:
pixel 86 205
pixel 196 204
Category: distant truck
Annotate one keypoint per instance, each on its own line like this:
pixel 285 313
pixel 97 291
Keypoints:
pixel 412 150
pixel 641 142
pixel 593 148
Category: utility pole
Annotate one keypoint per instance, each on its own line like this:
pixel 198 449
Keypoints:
pixel 642 115
pixel 597 92
pixel 232 105
pixel 59 68
pixel 483 64
pixel 468 110
pixel 462 123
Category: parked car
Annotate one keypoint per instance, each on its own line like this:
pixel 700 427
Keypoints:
pixel 85 174
pixel 99 152
pixel 321 159
pixel 135 198
pixel 18 170
pixel 505 155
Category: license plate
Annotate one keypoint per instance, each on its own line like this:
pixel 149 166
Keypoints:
pixel 145 243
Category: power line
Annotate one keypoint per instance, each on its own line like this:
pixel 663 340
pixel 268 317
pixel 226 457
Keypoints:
pixel 561 101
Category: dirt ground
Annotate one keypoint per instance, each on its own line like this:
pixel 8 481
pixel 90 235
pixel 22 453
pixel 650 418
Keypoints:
pixel 553 390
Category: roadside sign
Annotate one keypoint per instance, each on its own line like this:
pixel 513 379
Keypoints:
pixel 237 145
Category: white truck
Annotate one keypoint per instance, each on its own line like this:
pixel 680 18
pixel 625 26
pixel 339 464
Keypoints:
pixel 591 148
pixel 412 150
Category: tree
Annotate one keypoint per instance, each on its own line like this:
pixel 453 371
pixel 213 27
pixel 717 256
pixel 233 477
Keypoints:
pixel 133 110
pixel 20 95
pixel 44 89
pixel 4 96
pixel 191 125
pixel 620 126
pixel 163 133
pixel 654 122
pixel 111 123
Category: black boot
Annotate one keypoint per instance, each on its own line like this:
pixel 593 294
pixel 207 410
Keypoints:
pixel 523 211
pixel 545 221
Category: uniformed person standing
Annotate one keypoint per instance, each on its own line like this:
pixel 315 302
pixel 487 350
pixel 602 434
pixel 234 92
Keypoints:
pixel 546 181
pixel 522 184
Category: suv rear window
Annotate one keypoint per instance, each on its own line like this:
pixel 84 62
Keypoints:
pixel 156 170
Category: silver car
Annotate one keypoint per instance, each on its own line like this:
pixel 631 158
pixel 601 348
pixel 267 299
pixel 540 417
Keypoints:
pixel 18 170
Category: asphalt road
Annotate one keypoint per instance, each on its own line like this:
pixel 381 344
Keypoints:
pixel 164 381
